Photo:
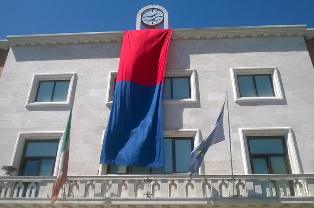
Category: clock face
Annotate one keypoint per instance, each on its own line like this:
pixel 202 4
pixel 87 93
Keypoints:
pixel 152 16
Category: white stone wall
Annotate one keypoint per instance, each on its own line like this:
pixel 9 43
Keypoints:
pixel 212 60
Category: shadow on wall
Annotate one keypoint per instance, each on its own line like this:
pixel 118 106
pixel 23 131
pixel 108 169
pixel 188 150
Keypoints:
pixel 181 50
pixel 179 53
pixel 3 58
pixel 67 52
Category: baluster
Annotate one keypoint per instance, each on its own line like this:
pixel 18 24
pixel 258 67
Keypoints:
pixel 198 189
pixel 241 188
pixel 31 189
pixel 74 189
pixel 298 188
pixel 164 188
pixel 270 188
pixel 65 190
pixel 44 189
pixel 98 188
pixel 181 190
pixel 18 189
pixel 106 188
pixel 114 188
pixel 147 188
pixel 283 188
pixel 139 188
pixel 223 188
pixel 263 188
pixel 131 188
pixel 173 189
pixel 90 189
pixel 189 189
pixel 207 189
pixel 3 189
pixel 156 189
pixel 122 189
pixel 250 188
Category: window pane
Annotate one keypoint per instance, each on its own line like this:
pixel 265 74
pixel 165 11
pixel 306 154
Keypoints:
pixel 117 169
pixel 181 87
pixel 44 91
pixel 41 149
pixel 246 86
pixel 157 170
pixel 30 167
pixel 61 91
pixel 182 151
pixel 46 167
pixel 278 165
pixel 168 156
pixel 139 170
pixel 266 145
pixel 167 89
pixel 259 166
pixel 264 85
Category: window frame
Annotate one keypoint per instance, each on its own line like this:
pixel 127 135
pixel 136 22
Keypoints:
pixel 254 83
pixel 171 87
pixel 23 137
pixel 53 88
pixel 291 146
pixel 174 164
pixel 195 135
pixel 268 155
pixel 32 104
pixel 174 159
pixel 193 101
pixel 24 158
pixel 278 93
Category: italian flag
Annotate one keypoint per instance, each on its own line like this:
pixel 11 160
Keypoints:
pixel 63 164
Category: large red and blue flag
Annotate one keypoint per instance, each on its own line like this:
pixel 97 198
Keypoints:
pixel 134 135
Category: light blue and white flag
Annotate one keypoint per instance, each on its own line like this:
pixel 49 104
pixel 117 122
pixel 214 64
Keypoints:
pixel 217 135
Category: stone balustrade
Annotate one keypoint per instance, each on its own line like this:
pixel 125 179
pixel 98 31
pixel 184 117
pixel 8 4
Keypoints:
pixel 162 189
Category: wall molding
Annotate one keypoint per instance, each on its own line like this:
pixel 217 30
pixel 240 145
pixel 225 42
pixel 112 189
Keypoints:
pixel 178 34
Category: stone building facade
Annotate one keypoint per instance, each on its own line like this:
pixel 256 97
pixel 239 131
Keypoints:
pixel 274 59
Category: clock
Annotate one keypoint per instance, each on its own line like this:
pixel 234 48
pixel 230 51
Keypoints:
pixel 152 17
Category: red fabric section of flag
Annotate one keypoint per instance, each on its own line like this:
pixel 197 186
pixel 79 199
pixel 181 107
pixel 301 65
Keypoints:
pixel 143 56
pixel 61 179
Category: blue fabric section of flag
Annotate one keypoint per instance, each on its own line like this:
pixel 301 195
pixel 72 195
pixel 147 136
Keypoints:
pixel 134 135
pixel 217 135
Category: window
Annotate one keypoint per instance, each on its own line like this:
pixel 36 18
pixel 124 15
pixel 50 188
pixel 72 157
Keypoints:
pixel 269 150
pixel 268 155
pixel 176 88
pixel 177 151
pixel 179 87
pixel 257 85
pixel 52 91
pixel 177 154
pixel 39 157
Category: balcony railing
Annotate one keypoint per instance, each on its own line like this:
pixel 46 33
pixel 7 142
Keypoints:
pixel 162 189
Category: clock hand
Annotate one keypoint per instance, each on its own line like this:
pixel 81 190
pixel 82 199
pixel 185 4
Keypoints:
pixel 153 15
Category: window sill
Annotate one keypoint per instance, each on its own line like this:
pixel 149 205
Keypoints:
pixel 49 106
pixel 187 102
pixel 260 100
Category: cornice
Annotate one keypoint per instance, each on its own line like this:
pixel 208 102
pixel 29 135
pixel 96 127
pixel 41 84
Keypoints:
pixel 4 44
pixel 309 33
pixel 178 34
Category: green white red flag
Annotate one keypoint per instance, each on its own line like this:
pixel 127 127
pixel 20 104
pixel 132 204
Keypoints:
pixel 63 164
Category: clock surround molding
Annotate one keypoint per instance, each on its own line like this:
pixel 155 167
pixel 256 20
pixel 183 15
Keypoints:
pixel 139 23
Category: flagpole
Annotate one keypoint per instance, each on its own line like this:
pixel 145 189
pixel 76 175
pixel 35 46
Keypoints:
pixel 230 144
